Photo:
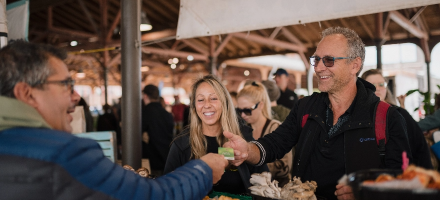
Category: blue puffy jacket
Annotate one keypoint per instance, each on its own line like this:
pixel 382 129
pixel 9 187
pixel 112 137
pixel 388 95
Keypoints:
pixel 47 164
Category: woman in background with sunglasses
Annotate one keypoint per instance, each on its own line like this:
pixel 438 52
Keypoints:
pixel 419 148
pixel 211 113
pixel 254 107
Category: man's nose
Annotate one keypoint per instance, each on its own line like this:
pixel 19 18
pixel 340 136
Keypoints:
pixel 319 66
pixel 75 97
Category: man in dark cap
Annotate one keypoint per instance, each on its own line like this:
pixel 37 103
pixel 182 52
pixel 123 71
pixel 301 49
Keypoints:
pixel 288 97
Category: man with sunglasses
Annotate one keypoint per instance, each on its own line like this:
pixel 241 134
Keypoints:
pixel 334 130
pixel 40 159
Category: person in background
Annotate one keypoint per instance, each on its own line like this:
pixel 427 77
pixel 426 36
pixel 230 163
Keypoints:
pixel 279 112
pixel 107 121
pixel 288 98
pixel 419 148
pixel 254 107
pixel 87 114
pixel 328 128
pixel 157 130
pixel 212 113
pixel 234 98
pixel 178 109
pixel 41 159
pixel 432 121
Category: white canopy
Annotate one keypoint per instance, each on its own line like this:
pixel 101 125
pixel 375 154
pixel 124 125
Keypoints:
pixel 199 18
pixel 18 19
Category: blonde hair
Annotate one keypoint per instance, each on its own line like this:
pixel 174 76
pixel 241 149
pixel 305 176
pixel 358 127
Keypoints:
pixel 256 92
pixel 228 117
pixel 389 97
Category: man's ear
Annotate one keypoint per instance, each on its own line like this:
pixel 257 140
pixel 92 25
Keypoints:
pixel 23 92
pixel 356 64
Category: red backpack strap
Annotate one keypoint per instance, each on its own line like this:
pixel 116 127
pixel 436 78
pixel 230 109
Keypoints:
pixel 381 123
pixel 304 120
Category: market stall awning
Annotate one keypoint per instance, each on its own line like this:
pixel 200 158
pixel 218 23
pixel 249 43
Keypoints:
pixel 198 18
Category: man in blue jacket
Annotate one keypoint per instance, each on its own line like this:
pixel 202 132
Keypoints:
pixel 39 159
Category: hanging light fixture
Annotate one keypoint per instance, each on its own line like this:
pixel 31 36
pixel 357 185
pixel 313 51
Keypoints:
pixel 80 74
pixel 145 23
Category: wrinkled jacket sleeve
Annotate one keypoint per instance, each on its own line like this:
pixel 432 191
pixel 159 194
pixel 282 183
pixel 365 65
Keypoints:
pixel 430 121
pixel 281 141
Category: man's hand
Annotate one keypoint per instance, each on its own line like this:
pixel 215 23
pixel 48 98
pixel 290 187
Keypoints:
pixel 344 192
pixel 240 147
pixel 217 163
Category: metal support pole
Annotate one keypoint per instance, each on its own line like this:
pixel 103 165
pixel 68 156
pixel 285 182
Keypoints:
pixel 105 84
pixel 379 53
pixel 428 76
pixel 131 83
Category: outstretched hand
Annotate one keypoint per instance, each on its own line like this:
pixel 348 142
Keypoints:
pixel 217 163
pixel 240 146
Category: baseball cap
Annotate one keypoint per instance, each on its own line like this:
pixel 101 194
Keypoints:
pixel 280 71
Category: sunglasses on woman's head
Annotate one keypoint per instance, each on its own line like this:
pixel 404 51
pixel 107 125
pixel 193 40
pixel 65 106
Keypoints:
pixel 247 111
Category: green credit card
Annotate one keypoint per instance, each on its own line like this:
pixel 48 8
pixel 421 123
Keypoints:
pixel 227 152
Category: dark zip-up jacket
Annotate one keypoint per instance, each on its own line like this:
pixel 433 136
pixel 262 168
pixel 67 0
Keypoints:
pixel 180 154
pixel 353 147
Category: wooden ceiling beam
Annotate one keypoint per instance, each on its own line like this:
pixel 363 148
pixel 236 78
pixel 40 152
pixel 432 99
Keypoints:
pixel 242 46
pixel 407 25
pixel 174 46
pixel 172 8
pixel 174 53
pixel 150 63
pixel 88 15
pixel 162 11
pixel 196 45
pixel 113 26
pixel 326 24
pixel 74 21
pixel 413 18
pixel 158 35
pixel 365 27
pixel 344 23
pixel 386 23
pixel 222 45
pixel 290 36
pixel 38 5
pixel 269 42
pixel 115 60
pixel 275 32
pixel 301 34
pixel 263 32
pixel 70 32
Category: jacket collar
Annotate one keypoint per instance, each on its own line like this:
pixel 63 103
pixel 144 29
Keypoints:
pixel 15 113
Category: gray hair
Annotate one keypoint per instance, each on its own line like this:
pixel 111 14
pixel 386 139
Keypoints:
pixel 21 61
pixel 355 48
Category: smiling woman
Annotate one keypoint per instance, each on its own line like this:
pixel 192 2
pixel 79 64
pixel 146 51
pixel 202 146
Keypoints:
pixel 211 113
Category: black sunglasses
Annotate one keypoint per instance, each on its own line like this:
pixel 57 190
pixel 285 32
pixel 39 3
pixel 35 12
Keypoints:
pixel 247 111
pixel 327 60
pixel 69 83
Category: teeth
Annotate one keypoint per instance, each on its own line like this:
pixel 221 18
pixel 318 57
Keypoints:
pixel 325 76
pixel 209 113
